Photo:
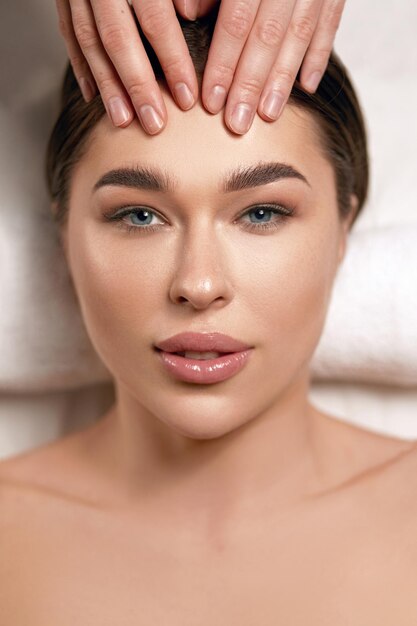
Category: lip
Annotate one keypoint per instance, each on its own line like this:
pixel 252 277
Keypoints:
pixel 237 354
pixel 202 342
pixel 204 371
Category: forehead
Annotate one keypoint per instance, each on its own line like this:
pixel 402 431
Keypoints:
pixel 197 148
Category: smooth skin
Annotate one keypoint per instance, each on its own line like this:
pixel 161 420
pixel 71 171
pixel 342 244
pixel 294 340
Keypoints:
pixel 232 503
pixel 257 50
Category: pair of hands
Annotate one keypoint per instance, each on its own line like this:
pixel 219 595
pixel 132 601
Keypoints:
pixel 256 53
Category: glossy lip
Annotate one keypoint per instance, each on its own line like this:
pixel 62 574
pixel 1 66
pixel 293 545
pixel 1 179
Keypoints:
pixel 204 371
pixel 202 342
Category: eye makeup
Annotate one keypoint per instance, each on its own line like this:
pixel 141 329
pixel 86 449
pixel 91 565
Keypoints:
pixel 277 212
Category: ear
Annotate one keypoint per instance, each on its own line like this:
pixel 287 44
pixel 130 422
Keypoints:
pixel 346 226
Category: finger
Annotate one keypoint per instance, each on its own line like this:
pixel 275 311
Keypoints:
pixel 256 62
pixel 114 98
pixel 187 8
pixel 160 25
pixel 191 9
pixel 318 53
pixel 79 63
pixel 204 6
pixel 122 43
pixel 284 72
pixel 233 25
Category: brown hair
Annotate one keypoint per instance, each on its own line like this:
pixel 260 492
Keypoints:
pixel 334 106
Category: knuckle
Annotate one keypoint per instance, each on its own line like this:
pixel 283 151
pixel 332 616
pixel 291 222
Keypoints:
pixel 105 85
pixel 270 32
pixel 319 56
pixel 284 76
pixel 86 35
pixel 114 37
pixel 302 28
pixel 223 73
pixel 333 15
pixel 153 20
pixel 77 62
pixel 250 85
pixel 137 89
pixel 238 23
pixel 174 66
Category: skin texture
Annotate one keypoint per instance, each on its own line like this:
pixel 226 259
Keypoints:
pixel 257 50
pixel 232 503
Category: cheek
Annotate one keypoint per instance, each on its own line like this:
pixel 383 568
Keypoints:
pixel 119 289
pixel 289 294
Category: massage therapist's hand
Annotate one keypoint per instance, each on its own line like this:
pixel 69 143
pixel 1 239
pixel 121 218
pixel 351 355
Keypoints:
pixel 256 53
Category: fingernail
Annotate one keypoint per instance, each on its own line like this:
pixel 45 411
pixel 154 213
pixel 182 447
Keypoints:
pixel 184 96
pixel 313 81
pixel 87 89
pixel 191 9
pixel 119 112
pixel 150 119
pixel 273 105
pixel 216 99
pixel 241 117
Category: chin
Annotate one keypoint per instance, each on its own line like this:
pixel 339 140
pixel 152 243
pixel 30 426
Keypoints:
pixel 202 423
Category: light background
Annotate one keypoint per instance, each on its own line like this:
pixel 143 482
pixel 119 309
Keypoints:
pixel 377 41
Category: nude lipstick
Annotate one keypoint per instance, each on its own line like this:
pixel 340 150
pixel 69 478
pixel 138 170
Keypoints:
pixel 203 358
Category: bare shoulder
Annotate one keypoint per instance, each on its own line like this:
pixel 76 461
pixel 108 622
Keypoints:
pixel 379 468
pixel 354 459
pixel 56 470
pixel 28 514
pixel 360 445
pixel 34 467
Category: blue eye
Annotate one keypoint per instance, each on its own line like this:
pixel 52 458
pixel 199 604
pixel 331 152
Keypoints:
pixel 144 216
pixel 266 217
pixel 140 219
pixel 261 213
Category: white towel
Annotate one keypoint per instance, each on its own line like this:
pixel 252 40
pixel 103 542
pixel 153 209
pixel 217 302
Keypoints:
pixel 43 343
pixel 370 334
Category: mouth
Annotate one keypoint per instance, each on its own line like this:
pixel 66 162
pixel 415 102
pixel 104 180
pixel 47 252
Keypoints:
pixel 199 356
pixel 203 367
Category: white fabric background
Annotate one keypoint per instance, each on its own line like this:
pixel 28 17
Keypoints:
pixel 378 45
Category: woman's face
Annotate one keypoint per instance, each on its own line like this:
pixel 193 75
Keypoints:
pixel 200 261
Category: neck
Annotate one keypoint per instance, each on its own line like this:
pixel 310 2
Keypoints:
pixel 271 458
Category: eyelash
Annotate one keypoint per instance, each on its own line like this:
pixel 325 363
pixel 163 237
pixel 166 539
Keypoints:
pixel 278 210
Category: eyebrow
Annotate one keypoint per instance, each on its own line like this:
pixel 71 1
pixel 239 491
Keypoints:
pixel 155 179
pixel 258 175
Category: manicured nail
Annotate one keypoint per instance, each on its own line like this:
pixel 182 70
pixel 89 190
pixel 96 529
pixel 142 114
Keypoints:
pixel 184 96
pixel 273 105
pixel 119 112
pixel 150 119
pixel 216 99
pixel 313 81
pixel 241 118
pixel 87 89
pixel 191 9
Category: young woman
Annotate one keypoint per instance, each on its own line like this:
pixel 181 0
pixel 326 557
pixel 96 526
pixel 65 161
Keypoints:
pixel 213 491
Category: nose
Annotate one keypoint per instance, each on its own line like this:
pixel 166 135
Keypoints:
pixel 200 279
